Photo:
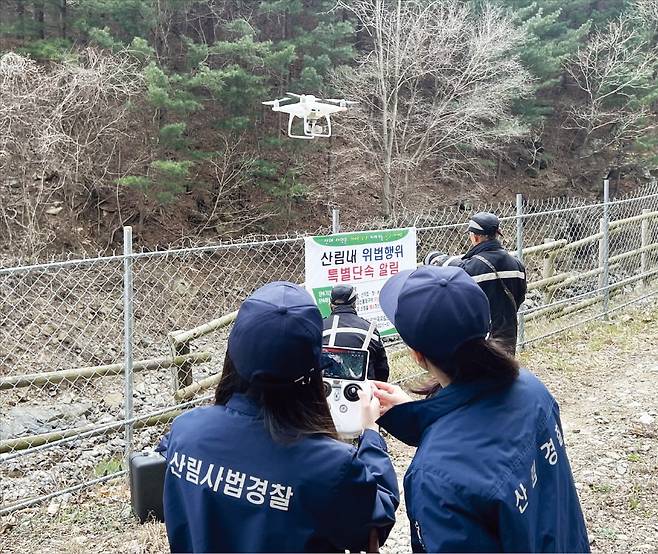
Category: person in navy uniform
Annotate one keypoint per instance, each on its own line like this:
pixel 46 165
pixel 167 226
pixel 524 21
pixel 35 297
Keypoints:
pixel 490 473
pixel 262 469
pixel 501 276
pixel 346 329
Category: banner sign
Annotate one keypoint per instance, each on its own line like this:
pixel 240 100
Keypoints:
pixel 365 260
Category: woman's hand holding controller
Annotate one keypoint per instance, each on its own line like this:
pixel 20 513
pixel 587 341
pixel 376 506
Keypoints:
pixel 389 395
pixel 370 410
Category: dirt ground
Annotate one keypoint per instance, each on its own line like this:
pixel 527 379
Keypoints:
pixel 605 377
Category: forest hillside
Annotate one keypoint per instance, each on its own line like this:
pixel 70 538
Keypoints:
pixel 149 112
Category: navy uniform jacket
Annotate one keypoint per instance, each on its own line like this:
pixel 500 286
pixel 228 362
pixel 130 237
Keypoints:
pixel 345 328
pixel 491 472
pixel 511 272
pixel 230 488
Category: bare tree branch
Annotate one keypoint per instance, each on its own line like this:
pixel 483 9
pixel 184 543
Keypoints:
pixel 612 71
pixel 60 124
pixel 437 85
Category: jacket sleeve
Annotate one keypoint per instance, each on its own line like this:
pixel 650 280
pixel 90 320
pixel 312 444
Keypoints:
pixel 163 445
pixel 366 496
pixel 469 265
pixel 380 359
pixel 442 522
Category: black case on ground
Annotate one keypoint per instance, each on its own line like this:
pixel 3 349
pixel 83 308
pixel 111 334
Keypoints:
pixel 147 473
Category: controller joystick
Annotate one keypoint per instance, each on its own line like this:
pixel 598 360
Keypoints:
pixel 327 389
pixel 351 392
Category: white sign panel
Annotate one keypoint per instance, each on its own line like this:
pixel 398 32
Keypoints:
pixel 364 259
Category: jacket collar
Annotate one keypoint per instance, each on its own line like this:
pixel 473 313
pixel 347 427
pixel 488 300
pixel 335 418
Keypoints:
pixel 407 422
pixel 244 404
pixel 344 309
pixel 486 246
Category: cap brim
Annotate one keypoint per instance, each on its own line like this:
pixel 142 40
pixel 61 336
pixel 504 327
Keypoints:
pixel 388 296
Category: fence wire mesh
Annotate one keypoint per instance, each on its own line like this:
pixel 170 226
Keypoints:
pixel 63 388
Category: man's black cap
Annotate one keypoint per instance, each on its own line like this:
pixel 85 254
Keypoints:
pixel 343 294
pixel 484 223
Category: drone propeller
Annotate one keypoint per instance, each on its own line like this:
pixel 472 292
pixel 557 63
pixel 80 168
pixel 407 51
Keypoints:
pixel 341 102
pixel 275 102
pixel 294 95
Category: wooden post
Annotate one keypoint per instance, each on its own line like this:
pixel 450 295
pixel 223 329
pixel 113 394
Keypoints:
pixel 644 258
pixel 71 375
pixel 11 445
pixel 548 270
pixel 183 371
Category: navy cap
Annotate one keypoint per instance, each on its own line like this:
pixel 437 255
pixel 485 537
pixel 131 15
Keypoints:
pixel 277 335
pixel 484 223
pixel 343 294
pixel 436 309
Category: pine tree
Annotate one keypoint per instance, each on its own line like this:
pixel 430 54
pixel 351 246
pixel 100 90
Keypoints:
pixel 551 36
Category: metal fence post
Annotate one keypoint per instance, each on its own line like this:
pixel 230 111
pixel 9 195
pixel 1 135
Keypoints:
pixel 644 257
pixel 520 339
pixel 335 221
pixel 606 247
pixel 128 336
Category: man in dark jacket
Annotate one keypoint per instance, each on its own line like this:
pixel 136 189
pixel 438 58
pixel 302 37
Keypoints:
pixel 345 328
pixel 500 275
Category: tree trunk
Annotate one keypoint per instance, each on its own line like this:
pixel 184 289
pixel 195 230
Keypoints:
pixel 20 17
pixel 39 19
pixel 386 190
pixel 62 18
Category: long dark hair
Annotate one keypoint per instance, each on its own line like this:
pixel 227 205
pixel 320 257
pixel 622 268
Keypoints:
pixel 478 359
pixel 291 412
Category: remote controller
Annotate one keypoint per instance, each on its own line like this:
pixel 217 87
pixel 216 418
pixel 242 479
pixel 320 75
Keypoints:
pixel 344 374
pixel 343 398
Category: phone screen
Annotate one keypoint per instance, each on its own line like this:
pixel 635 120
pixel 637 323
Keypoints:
pixel 344 363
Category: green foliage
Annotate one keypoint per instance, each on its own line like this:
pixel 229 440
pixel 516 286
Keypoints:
pixel 310 80
pixel 104 39
pixel 287 190
pixel 240 27
pixel 56 49
pixel 170 179
pixel 647 149
pixel 166 181
pixel 141 49
pixel 107 466
pixel 124 19
pixel 136 182
pixel 264 169
pixel 279 60
pixel 171 136
pixel 551 36
pixel 169 92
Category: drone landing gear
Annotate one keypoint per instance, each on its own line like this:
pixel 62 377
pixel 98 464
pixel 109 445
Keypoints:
pixel 312 129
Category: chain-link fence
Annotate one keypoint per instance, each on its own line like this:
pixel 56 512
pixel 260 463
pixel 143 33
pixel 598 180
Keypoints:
pixel 98 355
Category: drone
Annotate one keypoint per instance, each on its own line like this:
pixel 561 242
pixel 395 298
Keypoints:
pixel 312 110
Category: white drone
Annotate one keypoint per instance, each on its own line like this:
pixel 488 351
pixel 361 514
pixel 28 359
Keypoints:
pixel 311 110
